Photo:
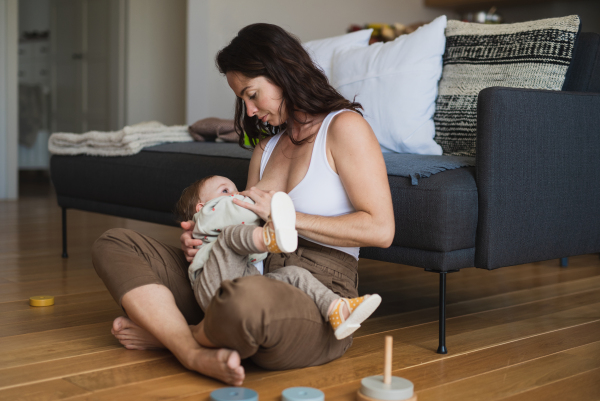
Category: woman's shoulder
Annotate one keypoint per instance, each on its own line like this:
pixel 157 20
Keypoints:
pixel 349 123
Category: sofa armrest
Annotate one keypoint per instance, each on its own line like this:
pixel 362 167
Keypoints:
pixel 538 175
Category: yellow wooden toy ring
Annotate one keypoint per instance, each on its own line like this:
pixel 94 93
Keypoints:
pixel 41 300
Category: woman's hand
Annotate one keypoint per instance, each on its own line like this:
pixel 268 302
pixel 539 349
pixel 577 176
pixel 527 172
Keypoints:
pixel 262 201
pixel 188 243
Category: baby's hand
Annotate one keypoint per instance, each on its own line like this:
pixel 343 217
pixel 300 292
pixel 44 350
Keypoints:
pixel 188 243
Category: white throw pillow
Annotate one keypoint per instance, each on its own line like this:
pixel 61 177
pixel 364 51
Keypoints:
pixel 396 83
pixel 322 50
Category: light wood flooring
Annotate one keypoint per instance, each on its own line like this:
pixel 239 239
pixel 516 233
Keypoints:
pixel 529 332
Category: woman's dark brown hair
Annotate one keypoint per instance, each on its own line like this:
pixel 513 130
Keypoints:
pixel 269 51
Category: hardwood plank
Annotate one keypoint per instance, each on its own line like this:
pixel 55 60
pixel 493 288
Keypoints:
pixel 469 364
pixel 59 322
pixel 364 357
pixel 56 311
pixel 522 377
pixel 11 292
pixel 52 337
pixel 60 300
pixel 75 366
pixel 59 350
pixel 170 387
pixel 132 373
pixel 581 387
pixel 431 314
pixel 498 321
pixel 24 275
pixel 55 390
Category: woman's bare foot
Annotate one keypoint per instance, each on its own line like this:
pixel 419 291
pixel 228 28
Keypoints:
pixel 221 364
pixel 133 336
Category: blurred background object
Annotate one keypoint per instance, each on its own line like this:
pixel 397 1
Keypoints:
pixel 385 32
pixel 483 17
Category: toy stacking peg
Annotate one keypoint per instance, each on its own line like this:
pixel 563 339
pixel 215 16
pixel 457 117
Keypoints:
pixel 386 387
pixel 234 394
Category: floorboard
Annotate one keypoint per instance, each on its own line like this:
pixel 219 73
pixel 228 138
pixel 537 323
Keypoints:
pixel 527 332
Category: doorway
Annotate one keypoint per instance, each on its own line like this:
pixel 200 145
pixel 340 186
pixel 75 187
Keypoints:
pixel 71 72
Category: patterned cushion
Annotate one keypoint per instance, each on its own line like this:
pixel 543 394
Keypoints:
pixel 534 54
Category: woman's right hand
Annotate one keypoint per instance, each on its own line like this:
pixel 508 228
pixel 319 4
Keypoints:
pixel 188 243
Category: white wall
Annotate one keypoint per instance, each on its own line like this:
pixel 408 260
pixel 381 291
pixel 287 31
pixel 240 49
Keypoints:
pixel 156 44
pixel 213 23
pixel 9 14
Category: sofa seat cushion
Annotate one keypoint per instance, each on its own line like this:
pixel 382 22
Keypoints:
pixel 148 180
pixel 439 214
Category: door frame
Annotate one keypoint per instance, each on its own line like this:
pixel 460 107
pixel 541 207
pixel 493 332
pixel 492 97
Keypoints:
pixel 9 123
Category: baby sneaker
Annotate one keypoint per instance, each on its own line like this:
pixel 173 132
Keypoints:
pixel 279 233
pixel 360 309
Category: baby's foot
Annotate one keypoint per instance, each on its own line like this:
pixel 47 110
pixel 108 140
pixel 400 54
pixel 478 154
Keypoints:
pixel 279 233
pixel 345 322
pixel 133 336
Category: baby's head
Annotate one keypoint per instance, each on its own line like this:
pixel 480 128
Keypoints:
pixel 196 195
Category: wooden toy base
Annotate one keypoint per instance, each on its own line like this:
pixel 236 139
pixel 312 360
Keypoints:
pixel 361 397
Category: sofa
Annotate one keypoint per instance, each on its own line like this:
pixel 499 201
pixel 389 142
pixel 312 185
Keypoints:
pixel 534 193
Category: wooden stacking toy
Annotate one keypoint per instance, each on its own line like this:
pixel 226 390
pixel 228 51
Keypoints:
pixel 386 387
pixel 234 394
pixel 302 394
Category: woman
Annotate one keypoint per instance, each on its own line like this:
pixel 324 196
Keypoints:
pixel 319 149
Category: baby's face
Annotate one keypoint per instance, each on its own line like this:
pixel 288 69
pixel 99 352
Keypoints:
pixel 215 187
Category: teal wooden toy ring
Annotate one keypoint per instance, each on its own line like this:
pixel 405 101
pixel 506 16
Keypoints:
pixel 302 394
pixel 234 394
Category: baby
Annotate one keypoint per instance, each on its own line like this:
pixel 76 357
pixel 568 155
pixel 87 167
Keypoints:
pixel 234 245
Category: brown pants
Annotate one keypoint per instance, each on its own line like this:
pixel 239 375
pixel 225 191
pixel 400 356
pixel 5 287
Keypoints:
pixel 228 260
pixel 275 324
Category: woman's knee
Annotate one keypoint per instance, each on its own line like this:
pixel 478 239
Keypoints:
pixel 105 245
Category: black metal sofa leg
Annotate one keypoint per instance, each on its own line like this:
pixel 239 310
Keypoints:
pixel 442 347
pixel 64 232
pixel 564 262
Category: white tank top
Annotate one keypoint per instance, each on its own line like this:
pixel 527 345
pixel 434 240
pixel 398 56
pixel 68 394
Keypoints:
pixel 321 191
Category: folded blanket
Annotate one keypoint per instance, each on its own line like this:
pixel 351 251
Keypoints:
pixel 128 141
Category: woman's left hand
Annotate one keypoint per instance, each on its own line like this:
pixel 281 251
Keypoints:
pixel 262 201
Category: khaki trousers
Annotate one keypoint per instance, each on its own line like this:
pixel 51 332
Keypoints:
pixel 275 324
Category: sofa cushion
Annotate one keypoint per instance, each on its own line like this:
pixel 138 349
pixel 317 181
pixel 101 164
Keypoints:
pixel 396 84
pixel 439 214
pixel 534 54
pixel 584 72
pixel 322 50
pixel 148 180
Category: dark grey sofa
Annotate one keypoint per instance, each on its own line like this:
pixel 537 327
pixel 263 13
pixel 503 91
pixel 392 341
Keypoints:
pixel 533 195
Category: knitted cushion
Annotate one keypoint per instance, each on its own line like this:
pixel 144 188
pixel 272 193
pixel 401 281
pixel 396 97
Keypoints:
pixel 534 54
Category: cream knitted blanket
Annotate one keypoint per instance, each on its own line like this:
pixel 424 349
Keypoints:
pixel 128 141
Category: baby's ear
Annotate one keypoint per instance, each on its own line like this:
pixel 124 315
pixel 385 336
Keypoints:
pixel 199 206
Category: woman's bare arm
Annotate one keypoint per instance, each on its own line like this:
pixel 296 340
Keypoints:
pixel 357 159
pixel 355 156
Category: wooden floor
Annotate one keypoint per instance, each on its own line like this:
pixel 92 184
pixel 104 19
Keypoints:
pixel 529 332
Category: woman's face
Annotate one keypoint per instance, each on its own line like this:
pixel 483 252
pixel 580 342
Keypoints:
pixel 262 98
